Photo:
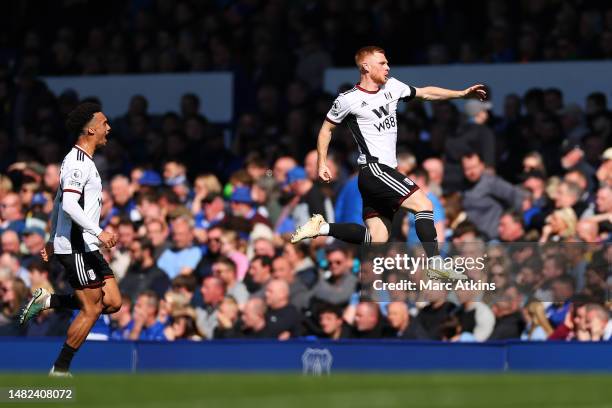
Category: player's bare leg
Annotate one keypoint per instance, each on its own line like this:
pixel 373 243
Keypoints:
pixel 112 296
pixel 91 301
pixel 426 231
pixel 43 300
pixel 378 229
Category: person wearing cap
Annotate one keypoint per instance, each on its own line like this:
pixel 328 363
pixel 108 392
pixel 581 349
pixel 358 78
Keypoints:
pixel 309 199
pixel 473 135
pixel 243 206
pixel 150 178
pixel 212 213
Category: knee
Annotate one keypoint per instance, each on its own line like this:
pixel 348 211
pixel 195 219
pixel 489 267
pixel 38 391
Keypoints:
pixel 114 306
pixel 379 234
pixel 418 201
pixel 93 309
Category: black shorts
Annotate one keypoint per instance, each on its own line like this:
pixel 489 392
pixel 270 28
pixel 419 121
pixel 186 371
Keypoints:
pixel 383 190
pixel 86 269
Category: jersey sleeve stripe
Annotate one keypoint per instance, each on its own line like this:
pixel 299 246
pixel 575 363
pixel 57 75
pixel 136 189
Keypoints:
pixel 72 191
pixel 331 121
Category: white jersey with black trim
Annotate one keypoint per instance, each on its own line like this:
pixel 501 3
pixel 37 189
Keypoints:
pixel 371 117
pixel 78 175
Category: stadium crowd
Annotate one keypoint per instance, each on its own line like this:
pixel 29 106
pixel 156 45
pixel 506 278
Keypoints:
pixel 204 213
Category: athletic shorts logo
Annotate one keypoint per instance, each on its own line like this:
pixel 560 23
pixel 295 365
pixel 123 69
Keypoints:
pixel 91 274
pixel 408 181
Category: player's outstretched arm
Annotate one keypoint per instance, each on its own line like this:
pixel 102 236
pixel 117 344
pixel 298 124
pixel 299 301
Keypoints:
pixel 323 141
pixel 433 93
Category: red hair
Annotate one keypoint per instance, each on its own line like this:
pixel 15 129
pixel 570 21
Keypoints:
pixel 365 51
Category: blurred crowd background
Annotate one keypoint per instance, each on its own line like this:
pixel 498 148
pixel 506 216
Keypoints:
pixel 204 210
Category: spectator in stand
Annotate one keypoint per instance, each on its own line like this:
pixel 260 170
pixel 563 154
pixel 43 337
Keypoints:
pixel 451 330
pixel 332 324
pixel 228 318
pixel 254 319
pixel 473 136
pixel 121 319
pixel 281 167
pixel 475 316
pixel 263 247
pixel 483 199
pixel 435 171
pixel 435 312
pixel 183 326
pixel 11 265
pixel 298 292
pixel 405 327
pixel 34 239
pixel 302 264
pixel 562 289
pixel 569 196
pixel 560 225
pixel 143 274
pixel 156 231
pixel 244 207
pixel 11 214
pixel 259 275
pixel 213 251
pixel 537 326
pixel 212 213
pixel 10 242
pixel 283 320
pixel 124 205
pixel 511 228
pixel 225 269
pixel 509 322
pixel 183 257
pixel 204 185
pixel 369 322
pixel 349 204
pixel 213 292
pixel 231 247
pixel 121 252
pixel 341 284
pixel 598 322
pixel 307 198
pixel 144 324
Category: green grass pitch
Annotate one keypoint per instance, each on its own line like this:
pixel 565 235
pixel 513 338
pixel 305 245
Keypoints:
pixel 182 390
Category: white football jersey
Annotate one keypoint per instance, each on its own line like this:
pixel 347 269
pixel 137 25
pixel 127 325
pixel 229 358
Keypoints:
pixel 78 175
pixel 371 117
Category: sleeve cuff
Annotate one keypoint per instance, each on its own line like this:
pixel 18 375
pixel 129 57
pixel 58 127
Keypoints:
pixel 331 121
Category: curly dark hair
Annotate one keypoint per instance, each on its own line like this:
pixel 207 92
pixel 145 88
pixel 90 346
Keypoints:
pixel 80 116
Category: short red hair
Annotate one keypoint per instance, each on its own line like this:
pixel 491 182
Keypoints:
pixel 365 51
